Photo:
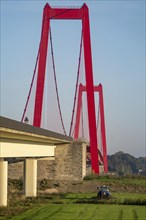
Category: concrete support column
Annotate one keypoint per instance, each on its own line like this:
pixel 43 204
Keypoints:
pixel 3 182
pixel 30 177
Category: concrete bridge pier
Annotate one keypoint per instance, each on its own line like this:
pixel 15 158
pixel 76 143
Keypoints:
pixel 30 177
pixel 3 182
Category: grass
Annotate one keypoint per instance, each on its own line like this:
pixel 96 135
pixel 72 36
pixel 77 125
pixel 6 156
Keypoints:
pixel 76 206
pixel 124 180
pixel 123 198
pixel 84 211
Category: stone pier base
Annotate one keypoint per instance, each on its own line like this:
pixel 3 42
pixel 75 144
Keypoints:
pixel 69 163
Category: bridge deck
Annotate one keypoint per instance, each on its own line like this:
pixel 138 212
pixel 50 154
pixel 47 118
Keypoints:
pixel 22 140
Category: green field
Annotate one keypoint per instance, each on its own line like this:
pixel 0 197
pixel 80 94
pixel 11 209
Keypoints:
pixel 77 206
pixel 84 211
pixel 128 201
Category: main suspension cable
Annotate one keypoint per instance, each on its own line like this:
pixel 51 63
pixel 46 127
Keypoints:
pixel 31 85
pixel 34 73
pixel 77 83
pixel 56 86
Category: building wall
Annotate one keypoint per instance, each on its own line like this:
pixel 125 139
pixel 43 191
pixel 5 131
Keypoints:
pixel 69 164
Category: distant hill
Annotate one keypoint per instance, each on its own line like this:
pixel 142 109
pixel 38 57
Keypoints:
pixel 126 164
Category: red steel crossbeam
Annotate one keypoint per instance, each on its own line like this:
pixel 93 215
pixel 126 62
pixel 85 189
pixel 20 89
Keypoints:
pixel 83 15
pixel 102 158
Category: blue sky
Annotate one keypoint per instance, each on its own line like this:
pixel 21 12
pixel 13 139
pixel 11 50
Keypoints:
pixel 118 52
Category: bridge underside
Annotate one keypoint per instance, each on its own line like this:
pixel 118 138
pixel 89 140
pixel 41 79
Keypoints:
pixel 20 141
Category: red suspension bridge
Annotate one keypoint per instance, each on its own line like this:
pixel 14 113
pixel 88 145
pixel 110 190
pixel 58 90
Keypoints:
pixel 85 90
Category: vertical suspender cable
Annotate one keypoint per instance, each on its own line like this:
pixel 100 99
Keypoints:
pixel 98 130
pixel 56 87
pixel 76 89
pixel 82 121
pixel 97 118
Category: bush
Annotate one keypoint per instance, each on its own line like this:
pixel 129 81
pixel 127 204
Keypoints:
pixel 134 202
pixel 16 184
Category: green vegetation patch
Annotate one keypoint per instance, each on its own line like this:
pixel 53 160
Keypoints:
pixel 120 180
pixel 135 179
pixel 84 211
pixel 75 206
